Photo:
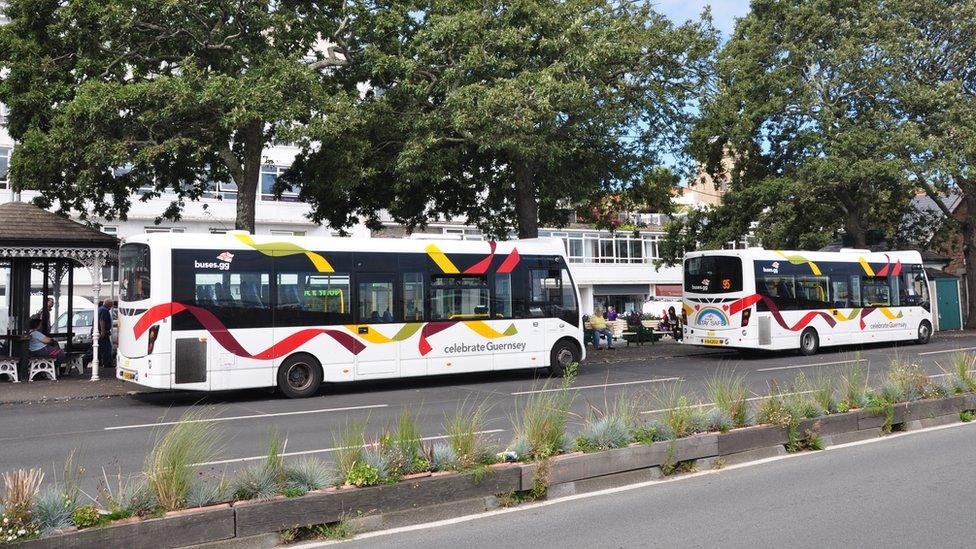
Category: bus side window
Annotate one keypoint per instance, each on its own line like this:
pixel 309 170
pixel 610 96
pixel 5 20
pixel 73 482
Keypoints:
pixel 502 297
pixel 545 297
pixel 840 292
pixel 413 297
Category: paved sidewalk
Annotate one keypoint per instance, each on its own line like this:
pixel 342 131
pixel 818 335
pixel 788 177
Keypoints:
pixel 67 388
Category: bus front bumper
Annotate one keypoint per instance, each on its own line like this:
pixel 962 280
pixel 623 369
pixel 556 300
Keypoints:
pixel 148 371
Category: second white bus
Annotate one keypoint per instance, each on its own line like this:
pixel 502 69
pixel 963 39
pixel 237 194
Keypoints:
pixel 787 300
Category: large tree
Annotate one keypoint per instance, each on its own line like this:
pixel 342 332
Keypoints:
pixel 504 113
pixel 937 90
pixel 113 96
pixel 804 127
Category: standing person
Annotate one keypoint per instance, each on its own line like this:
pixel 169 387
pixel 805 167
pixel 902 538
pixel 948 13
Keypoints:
pixel 675 325
pixel 44 316
pixel 105 354
pixel 611 313
pixel 599 325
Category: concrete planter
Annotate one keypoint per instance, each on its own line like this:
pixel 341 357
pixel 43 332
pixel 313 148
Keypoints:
pixel 177 530
pixel 832 424
pixel 750 438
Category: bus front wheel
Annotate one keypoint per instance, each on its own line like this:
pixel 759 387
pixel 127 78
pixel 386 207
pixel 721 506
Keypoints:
pixel 924 332
pixel 809 342
pixel 564 354
pixel 300 376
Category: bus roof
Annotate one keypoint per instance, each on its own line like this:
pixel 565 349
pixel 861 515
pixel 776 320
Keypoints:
pixel 242 241
pixel 853 256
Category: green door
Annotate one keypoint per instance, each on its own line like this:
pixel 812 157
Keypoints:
pixel 947 292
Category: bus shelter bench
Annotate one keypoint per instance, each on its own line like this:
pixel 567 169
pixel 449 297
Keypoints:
pixel 640 335
pixel 76 362
pixel 588 334
pixel 8 367
pixel 44 366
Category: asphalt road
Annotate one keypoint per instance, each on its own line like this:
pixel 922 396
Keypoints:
pixel 115 433
pixel 913 490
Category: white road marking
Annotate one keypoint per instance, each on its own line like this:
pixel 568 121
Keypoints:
pixel 812 365
pixel 598 386
pixel 326 450
pixel 704 404
pixel 609 491
pixel 947 351
pixel 254 416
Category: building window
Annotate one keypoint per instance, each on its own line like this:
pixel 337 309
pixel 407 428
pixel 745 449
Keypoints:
pixel 269 175
pixel 607 248
pixel 4 166
pixel 110 230
pixel 165 230
pixel 283 232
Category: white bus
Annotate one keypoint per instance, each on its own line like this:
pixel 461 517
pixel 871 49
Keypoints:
pixel 216 312
pixel 779 300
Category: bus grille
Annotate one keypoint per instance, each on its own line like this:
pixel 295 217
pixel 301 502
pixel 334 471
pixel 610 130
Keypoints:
pixel 191 360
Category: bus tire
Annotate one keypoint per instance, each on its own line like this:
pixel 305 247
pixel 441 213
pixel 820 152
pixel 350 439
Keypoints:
pixel 924 332
pixel 300 376
pixel 564 353
pixel 809 342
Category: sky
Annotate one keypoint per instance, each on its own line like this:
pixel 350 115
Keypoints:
pixel 724 12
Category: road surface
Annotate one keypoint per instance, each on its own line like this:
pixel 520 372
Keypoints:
pixel 115 433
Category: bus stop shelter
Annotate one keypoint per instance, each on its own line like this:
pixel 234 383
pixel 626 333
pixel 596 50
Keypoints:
pixel 35 240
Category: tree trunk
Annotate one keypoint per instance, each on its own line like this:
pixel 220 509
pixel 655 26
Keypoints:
pixel 526 204
pixel 247 180
pixel 854 227
pixel 968 229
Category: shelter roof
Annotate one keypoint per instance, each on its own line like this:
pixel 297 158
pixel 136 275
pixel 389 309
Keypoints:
pixel 25 225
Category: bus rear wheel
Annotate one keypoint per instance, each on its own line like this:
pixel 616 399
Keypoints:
pixel 809 342
pixel 564 354
pixel 924 332
pixel 300 376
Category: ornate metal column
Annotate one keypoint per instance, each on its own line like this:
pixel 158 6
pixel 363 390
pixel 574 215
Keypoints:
pixel 94 262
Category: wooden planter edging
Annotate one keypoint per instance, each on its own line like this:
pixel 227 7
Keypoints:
pixel 249 518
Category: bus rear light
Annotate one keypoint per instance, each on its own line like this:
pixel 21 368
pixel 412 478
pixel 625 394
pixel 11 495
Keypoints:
pixel 153 334
pixel 746 314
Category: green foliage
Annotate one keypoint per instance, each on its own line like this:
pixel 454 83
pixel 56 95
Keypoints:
pixel 728 391
pixel 173 92
pixel 540 424
pixel 362 474
pixel 443 457
pixel 378 460
pixel 53 510
pixel 332 531
pixel 678 414
pixel 609 428
pixel 170 465
pixel 124 495
pixel 499 113
pixel 204 493
pixel 463 428
pixel 309 473
pixel 86 516
pixel 264 480
pixel 653 431
pixel 854 389
pixel 962 365
pixel 718 419
pixel 293 491
pixel 406 449
pixel 967 416
pixel 348 443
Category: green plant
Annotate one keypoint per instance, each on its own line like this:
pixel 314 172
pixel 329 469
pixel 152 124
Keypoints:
pixel 331 531
pixel 172 462
pixel 609 428
pixel 443 457
pixel 86 516
pixel 967 415
pixel 540 424
pixel 204 493
pixel 124 496
pixel 728 391
pixel 823 393
pixel 677 413
pixel 653 431
pixel 962 378
pixel 407 446
pixel 912 381
pixel 718 419
pixel 293 491
pixel 349 446
pixel 362 474
pixel 463 429
pixel 854 388
pixel 53 510
pixel 309 473
pixel 377 459
pixel 264 480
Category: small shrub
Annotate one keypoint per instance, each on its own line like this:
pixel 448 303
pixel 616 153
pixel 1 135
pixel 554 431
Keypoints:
pixel 823 394
pixel 293 491
pixel 443 457
pixel 53 510
pixel 653 431
pixel 20 488
pixel 771 409
pixel 463 434
pixel 962 378
pixel 407 449
pixel 718 419
pixel 362 474
pixel 204 493
pixel 86 517
pixel 348 446
pixel 309 473
pixel 331 531
pixel 854 389
pixel 169 467
pixel 911 378
pixel 379 461
pixel 606 430
pixel 123 496
pixel 254 482
pixel 728 391
pixel 967 415
pixel 677 413
pixel 540 424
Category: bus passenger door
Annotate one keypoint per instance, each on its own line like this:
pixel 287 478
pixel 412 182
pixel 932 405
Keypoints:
pixel 376 327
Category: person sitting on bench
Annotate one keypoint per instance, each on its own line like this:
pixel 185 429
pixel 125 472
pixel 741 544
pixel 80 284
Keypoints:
pixel 42 346
pixel 599 325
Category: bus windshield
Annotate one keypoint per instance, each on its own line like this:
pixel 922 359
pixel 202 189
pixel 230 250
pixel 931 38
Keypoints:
pixel 134 272
pixel 714 274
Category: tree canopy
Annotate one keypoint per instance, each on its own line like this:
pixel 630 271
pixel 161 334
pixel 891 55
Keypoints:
pixel 114 96
pixel 504 113
pixel 805 128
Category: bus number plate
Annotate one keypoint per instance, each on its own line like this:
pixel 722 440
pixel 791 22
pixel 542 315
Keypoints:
pixel 712 341
pixel 128 375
